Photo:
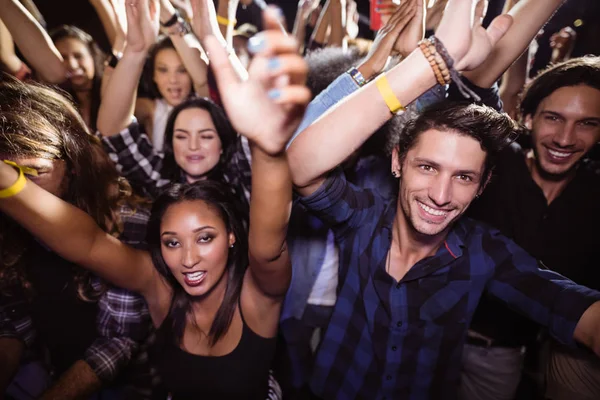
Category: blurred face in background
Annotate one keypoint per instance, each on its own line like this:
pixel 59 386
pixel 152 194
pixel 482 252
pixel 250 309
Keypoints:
pixel 564 128
pixel 172 79
pixel 79 62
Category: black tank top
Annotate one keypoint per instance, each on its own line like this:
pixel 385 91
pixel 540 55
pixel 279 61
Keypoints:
pixel 241 374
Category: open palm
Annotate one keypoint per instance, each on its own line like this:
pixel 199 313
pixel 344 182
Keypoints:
pixel 268 106
pixel 414 31
pixel 468 43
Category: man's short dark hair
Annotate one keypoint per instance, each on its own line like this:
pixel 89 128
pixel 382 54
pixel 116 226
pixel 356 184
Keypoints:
pixel 493 130
pixel 577 71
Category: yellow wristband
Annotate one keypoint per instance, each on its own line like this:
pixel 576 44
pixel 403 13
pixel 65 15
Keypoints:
pixel 16 187
pixel 388 95
pixel 225 21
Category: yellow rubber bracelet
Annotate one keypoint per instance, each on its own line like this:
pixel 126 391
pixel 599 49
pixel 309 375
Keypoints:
pixel 388 95
pixel 15 188
pixel 225 21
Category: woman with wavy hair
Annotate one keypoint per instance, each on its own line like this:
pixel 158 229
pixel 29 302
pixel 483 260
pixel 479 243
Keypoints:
pixel 72 313
pixel 199 141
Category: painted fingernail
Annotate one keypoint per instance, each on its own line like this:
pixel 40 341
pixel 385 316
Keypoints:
pixel 274 63
pixel 274 94
pixel 256 43
pixel 277 11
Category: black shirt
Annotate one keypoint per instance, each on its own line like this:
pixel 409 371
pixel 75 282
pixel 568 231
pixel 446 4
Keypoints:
pixel 65 324
pixel 564 235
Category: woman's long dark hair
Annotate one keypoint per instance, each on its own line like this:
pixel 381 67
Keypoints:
pixel 217 196
pixel 147 87
pixel 227 134
pixel 72 32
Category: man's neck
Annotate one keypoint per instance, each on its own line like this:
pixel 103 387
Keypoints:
pixel 552 186
pixel 409 247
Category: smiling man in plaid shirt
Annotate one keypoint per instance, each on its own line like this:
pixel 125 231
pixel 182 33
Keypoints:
pixel 412 270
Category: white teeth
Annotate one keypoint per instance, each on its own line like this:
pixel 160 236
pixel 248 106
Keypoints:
pixel 194 276
pixel 558 154
pixel 432 211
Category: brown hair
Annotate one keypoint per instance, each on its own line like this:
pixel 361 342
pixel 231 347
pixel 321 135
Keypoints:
pixel 493 130
pixel 36 121
pixel 574 72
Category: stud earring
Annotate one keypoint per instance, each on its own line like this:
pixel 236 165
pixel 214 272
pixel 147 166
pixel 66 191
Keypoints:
pixel 231 246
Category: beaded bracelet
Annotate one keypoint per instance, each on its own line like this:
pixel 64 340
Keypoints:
pixel 454 75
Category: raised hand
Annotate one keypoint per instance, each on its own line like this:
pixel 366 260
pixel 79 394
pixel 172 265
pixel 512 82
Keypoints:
pixel 142 24
pixel 386 39
pixel 434 14
pixel 466 40
pixel 204 20
pixel 414 31
pixel 118 7
pixel 562 44
pixel 307 7
pixel 267 107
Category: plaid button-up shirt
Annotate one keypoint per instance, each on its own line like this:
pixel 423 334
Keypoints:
pixel 123 321
pixel 404 340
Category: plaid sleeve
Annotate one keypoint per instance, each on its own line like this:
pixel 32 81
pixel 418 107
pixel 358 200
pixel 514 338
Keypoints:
pixel 15 321
pixel 123 323
pixel 544 296
pixel 343 206
pixel 135 158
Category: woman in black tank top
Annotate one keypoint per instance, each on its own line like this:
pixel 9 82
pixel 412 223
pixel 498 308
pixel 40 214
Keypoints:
pixel 214 289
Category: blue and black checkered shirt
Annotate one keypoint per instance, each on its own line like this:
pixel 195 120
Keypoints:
pixel 404 340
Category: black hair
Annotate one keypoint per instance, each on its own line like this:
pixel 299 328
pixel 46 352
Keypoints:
pixel 493 130
pixel 219 198
pixel 326 64
pixel 576 71
pixel 227 134
pixel 73 32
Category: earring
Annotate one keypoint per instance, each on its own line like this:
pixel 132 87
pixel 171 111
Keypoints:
pixel 231 245
pixel 396 174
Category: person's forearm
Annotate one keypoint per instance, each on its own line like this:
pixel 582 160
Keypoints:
pixel 78 382
pixel 299 30
pixel 107 17
pixel 191 56
pixel 49 218
pixel 8 58
pixel 320 32
pixel 529 17
pixel 513 82
pixel 119 97
pixel 227 9
pixel 587 330
pixel 33 41
pixel 337 36
pixel 337 134
pixel 11 350
pixel 34 11
pixel 270 204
